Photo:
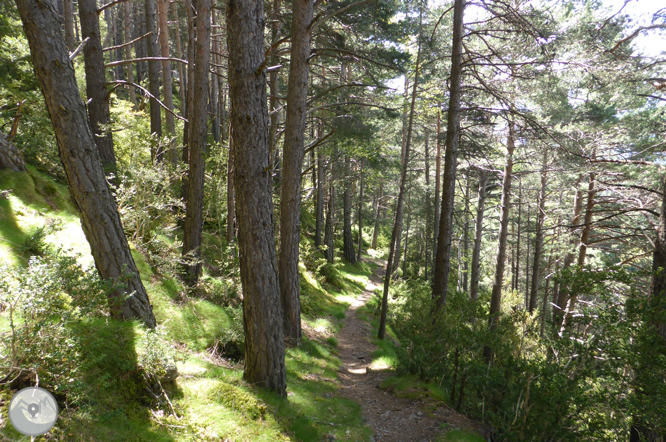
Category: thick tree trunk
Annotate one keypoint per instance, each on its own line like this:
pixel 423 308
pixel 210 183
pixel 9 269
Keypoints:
pixel 476 251
pixel 496 296
pixel 294 139
pixel 197 145
pixel 443 256
pixel 538 242
pixel 98 106
pixel 68 14
pixel 163 8
pixel 360 216
pixel 262 309
pixel 99 214
pixel 348 240
pixel 154 80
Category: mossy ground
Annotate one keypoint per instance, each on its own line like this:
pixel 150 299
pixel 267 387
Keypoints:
pixel 209 398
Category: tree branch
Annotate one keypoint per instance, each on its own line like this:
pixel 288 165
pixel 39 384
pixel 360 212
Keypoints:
pixel 149 95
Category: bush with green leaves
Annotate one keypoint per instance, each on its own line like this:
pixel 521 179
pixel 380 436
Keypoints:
pixel 60 333
pixel 583 385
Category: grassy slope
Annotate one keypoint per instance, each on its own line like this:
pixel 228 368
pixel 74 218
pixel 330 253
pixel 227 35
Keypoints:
pixel 210 398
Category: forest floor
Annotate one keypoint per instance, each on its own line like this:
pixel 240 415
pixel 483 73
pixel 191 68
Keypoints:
pixel 414 418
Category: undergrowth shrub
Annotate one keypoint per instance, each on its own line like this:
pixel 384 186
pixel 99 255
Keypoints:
pixel 580 386
pixel 60 333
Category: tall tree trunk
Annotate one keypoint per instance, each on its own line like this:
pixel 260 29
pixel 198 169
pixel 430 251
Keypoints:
pixel 163 8
pixel 330 219
pixel 128 52
pixel 182 81
pixel 142 45
pixel 348 240
pixel 231 196
pixel 375 230
pixel 527 257
pixel 443 257
pixel 538 241
pixel 262 309
pixel 273 104
pixel 68 13
pixel 478 232
pixel 562 290
pixel 582 250
pixel 320 200
pixel 496 296
pixel 294 139
pixel 466 237
pixel 197 145
pixel 409 222
pixel 519 235
pixel 85 178
pixel 154 80
pixel 428 214
pixel 397 224
pixel 98 107
pixel 438 183
pixel 360 216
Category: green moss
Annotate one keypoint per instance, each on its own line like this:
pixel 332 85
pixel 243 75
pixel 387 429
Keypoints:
pixel 238 399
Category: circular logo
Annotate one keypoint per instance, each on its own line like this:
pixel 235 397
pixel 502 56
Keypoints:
pixel 33 411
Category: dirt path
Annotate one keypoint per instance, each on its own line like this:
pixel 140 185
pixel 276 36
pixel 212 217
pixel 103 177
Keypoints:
pixel 393 419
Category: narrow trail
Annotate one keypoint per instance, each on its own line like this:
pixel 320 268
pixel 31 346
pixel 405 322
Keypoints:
pixel 393 419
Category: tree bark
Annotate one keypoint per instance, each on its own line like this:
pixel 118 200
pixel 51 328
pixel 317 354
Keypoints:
pixel 292 165
pixel 428 214
pixel 397 224
pixel 348 240
pixel 330 219
pixel 68 14
pixel 273 106
pixel 231 197
pixel 197 144
pixel 438 183
pixel 582 250
pixel 163 10
pixel 360 216
pixel 375 230
pixel 262 309
pixel 85 178
pixel 182 81
pixel 476 251
pixel 538 242
pixel 496 296
pixel 443 256
pixel 98 106
pixel 465 278
pixel 128 51
pixel 520 215
pixel 320 200
pixel 153 80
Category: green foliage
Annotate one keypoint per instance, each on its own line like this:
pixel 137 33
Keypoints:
pixel 571 388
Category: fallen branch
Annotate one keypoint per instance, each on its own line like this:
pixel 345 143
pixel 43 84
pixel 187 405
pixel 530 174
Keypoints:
pixel 149 95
